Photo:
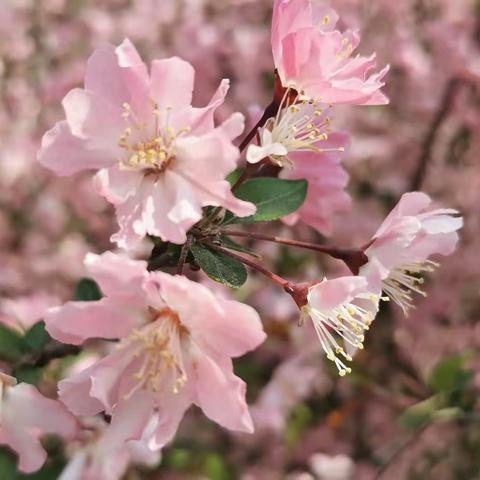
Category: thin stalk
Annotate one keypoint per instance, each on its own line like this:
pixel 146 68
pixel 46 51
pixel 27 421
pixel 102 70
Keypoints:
pixel 256 266
pixel 184 254
pixel 354 258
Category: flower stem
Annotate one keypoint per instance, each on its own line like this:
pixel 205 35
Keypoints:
pixel 353 257
pixel 184 254
pixel 256 266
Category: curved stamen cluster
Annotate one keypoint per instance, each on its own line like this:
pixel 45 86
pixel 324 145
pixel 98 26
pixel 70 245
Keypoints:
pixel 151 152
pixel 159 346
pixel 406 279
pixel 347 321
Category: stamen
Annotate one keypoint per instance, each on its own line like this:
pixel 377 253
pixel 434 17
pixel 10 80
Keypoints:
pixel 406 279
pixel 160 349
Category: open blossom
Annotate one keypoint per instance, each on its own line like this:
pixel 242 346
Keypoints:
pixel 160 160
pixel 300 140
pixel 25 417
pixel 177 341
pixel 399 253
pixel 341 311
pixel 315 59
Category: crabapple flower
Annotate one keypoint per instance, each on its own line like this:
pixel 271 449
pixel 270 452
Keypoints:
pixel 341 311
pixel 177 340
pixel 159 159
pixel 399 253
pixel 315 59
pixel 25 416
pixel 105 453
pixel 300 141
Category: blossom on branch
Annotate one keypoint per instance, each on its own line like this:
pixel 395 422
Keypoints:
pixel 160 160
pixel 300 140
pixel 315 59
pixel 341 311
pixel 399 253
pixel 177 340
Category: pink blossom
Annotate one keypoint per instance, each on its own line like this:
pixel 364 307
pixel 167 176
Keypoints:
pixel 159 159
pixel 341 311
pixel 105 452
pixel 300 140
pixel 177 341
pixel 24 312
pixel 401 247
pixel 315 59
pixel 25 416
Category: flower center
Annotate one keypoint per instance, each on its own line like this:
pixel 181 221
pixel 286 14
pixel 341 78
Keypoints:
pixel 160 349
pixel 300 127
pixel 349 322
pixel 149 149
pixel 406 279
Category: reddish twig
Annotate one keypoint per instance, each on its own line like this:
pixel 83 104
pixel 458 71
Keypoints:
pixel 354 258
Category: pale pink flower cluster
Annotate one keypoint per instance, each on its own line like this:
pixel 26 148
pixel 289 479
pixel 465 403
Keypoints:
pixel 160 161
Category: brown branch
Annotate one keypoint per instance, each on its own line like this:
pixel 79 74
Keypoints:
pixel 354 258
pixel 446 104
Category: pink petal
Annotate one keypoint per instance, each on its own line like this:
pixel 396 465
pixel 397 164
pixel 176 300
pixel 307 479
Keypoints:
pixel 172 82
pixel 116 274
pixel 107 318
pixel 330 294
pixel 220 394
pixel 66 154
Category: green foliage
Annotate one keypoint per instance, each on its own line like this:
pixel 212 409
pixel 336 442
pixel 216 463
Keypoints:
pixel 219 267
pixel 422 413
pixel 37 337
pixel 27 374
pixel 12 345
pixel 87 291
pixel 449 381
pixel 274 198
pixel 231 245
pixel 450 375
pixel 216 468
pixel 8 465
pixel 298 423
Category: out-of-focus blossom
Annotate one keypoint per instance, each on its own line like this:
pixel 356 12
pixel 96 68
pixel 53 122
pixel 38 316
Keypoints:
pixel 104 453
pixel 291 383
pixel 300 140
pixel 314 59
pixel 25 417
pixel 326 467
pixel 160 160
pixel 341 311
pixel 399 253
pixel 177 341
pixel 22 313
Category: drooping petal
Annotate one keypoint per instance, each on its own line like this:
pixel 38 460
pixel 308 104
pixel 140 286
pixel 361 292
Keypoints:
pixel 220 394
pixel 329 294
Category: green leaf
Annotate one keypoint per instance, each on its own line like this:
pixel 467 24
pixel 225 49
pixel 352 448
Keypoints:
pixel 215 467
pixel 37 337
pixel 274 198
pixel 231 245
pixel 421 413
pixel 12 345
pixel 31 375
pixel 220 267
pixel 450 375
pixel 8 465
pixel 87 291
